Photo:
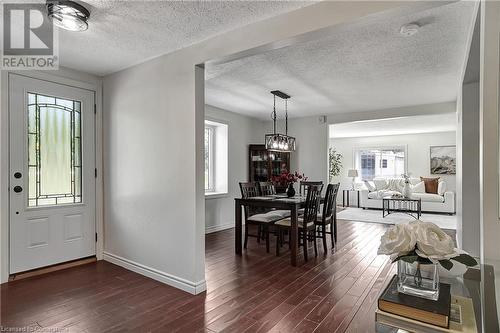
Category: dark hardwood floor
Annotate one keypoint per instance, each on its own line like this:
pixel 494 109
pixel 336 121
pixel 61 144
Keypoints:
pixel 257 292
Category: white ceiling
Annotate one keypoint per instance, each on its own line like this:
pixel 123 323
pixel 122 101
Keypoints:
pixel 124 33
pixel 366 65
pixel 395 126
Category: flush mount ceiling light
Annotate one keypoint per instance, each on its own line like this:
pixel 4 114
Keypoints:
pixel 68 15
pixel 409 29
pixel 277 141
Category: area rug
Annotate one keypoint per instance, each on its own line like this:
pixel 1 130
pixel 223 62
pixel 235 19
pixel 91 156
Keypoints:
pixel 372 215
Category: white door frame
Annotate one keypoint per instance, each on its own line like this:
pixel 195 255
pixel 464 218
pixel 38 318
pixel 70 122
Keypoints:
pixel 65 77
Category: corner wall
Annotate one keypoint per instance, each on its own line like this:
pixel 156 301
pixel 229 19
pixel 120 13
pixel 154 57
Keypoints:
pixel 468 189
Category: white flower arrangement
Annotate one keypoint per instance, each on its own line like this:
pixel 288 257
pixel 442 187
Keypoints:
pixel 422 242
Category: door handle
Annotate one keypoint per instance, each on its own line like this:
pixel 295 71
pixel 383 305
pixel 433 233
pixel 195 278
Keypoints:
pixel 18 189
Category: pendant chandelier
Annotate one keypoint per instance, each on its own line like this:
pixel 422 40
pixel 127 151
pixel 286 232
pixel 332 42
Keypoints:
pixel 277 141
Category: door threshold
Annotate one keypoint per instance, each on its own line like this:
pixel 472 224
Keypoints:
pixel 52 268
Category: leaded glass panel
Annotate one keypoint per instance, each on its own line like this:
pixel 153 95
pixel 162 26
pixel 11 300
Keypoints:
pixel 54 151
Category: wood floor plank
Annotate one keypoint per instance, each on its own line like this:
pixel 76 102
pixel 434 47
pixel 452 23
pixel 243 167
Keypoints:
pixel 255 292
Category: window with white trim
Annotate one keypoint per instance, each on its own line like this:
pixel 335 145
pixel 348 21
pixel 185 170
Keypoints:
pixel 216 157
pixel 209 158
pixel 376 162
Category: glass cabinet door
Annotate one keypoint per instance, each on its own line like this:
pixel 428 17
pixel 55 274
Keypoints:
pixel 259 165
pixel 279 162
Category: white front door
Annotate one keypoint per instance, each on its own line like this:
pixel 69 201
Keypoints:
pixel 52 181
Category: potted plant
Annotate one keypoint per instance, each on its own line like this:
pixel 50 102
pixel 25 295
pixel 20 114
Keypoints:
pixel 288 179
pixel 419 247
pixel 334 163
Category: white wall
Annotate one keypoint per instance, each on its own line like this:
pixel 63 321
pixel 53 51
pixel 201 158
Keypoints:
pixel 489 97
pixel 417 145
pixel 468 148
pixel 154 115
pixel 489 105
pixel 312 143
pixel 242 131
pixel 468 203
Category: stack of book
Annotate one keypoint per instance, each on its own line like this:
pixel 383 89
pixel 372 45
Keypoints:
pixel 453 314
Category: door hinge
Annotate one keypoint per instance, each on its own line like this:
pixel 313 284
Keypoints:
pixel 95 109
pixel 96 237
pixel 95 172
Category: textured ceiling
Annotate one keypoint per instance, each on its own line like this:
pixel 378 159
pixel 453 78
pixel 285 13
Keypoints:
pixel 124 33
pixel 362 66
pixel 445 122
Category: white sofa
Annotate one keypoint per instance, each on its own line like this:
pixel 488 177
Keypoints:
pixel 442 203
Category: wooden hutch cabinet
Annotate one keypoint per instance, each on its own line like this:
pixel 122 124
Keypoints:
pixel 264 164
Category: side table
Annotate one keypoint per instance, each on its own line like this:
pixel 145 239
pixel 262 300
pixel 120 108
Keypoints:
pixel 346 195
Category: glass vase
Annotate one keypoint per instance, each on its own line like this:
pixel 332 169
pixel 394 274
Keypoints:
pixel 417 279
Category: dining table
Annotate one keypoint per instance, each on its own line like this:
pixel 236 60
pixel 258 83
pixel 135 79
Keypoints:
pixel 282 202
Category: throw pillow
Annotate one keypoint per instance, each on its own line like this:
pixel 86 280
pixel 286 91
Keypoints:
pixel 431 185
pixel 418 188
pixel 441 187
pixel 380 184
pixel 395 184
pixel 371 187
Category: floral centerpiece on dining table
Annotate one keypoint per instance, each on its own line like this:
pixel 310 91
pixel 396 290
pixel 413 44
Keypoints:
pixel 286 178
pixel 419 247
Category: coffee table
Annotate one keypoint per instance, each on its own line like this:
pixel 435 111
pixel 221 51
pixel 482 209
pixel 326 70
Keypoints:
pixel 409 206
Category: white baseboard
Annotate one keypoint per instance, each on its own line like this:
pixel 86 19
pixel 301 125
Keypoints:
pixel 218 227
pixel 172 280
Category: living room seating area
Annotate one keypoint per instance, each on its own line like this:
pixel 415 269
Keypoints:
pixel 438 201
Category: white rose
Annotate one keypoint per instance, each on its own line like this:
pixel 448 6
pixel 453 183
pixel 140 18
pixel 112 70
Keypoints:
pixel 432 242
pixel 397 240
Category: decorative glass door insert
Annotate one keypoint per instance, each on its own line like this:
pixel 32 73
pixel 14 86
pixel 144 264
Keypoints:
pixel 54 151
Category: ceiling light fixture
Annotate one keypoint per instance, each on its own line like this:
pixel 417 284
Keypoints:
pixel 409 29
pixel 68 15
pixel 277 141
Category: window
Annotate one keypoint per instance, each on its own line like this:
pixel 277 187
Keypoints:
pixel 209 158
pixel 54 151
pixel 380 162
pixel 216 157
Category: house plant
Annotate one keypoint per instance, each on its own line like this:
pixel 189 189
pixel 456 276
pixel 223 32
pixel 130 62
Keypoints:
pixel 334 163
pixel 419 247
pixel 288 179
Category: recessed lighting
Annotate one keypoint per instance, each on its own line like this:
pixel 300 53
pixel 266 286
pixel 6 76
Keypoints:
pixel 68 15
pixel 409 29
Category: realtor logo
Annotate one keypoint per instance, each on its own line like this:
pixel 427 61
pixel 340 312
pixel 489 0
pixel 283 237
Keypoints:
pixel 28 37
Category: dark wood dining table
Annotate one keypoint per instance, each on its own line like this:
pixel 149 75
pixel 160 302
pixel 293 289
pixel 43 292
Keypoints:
pixel 277 202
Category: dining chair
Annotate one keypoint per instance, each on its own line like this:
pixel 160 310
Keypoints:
pixel 304 185
pixel 328 216
pixel 306 222
pixel 268 188
pixel 257 216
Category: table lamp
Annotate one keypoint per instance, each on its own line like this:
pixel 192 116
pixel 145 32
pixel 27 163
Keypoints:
pixel 352 173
